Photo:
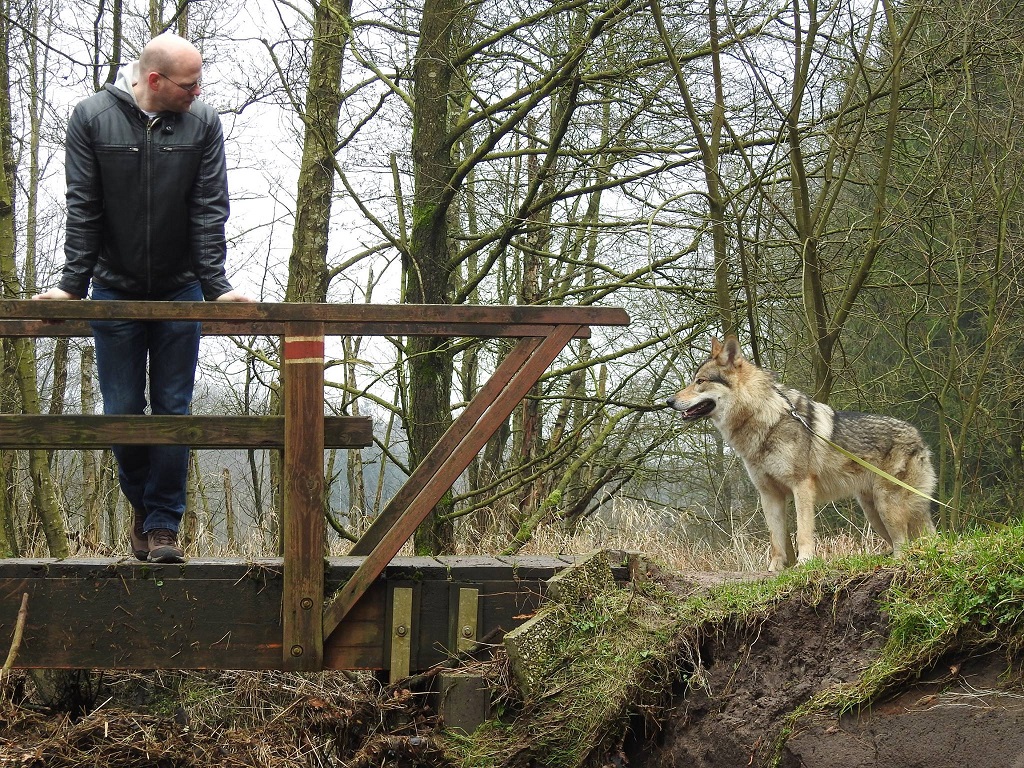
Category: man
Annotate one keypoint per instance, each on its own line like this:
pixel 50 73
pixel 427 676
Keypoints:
pixel 147 203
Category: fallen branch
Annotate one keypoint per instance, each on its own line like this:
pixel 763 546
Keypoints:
pixel 19 630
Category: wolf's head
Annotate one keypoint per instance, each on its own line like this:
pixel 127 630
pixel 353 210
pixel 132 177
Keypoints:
pixel 715 382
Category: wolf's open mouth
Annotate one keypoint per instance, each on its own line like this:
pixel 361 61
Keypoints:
pixel 698 411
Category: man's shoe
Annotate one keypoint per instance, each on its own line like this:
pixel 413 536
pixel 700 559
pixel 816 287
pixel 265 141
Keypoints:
pixel 140 543
pixel 163 547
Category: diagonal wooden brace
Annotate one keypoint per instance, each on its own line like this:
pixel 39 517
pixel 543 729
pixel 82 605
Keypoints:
pixel 449 441
pixel 448 459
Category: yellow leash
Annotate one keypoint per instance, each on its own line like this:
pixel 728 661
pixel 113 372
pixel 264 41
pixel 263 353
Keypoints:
pixel 866 464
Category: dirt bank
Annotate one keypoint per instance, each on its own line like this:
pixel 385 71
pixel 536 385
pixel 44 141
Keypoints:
pixel 965 711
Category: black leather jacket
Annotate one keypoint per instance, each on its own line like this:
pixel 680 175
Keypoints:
pixel 147 198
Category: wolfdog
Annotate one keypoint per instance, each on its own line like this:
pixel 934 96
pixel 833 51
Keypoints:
pixel 782 436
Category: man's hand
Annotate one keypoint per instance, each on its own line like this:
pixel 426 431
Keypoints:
pixel 235 296
pixel 55 293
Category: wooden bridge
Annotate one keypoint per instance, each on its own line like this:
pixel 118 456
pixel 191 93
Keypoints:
pixel 305 612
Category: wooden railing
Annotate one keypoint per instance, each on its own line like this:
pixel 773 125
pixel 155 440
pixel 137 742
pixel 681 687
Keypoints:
pixel 303 431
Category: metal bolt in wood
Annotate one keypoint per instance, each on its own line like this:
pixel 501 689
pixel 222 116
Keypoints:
pixel 401 642
pixel 468 617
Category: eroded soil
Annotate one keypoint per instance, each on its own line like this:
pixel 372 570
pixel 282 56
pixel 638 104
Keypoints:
pixel 967 711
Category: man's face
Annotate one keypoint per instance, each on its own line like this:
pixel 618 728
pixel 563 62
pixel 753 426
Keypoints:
pixel 177 89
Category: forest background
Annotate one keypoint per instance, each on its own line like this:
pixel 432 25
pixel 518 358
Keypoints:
pixel 838 183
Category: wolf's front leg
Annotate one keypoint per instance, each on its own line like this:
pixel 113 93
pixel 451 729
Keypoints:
pixel 780 554
pixel 803 500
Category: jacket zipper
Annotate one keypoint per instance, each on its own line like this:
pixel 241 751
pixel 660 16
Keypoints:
pixel 148 180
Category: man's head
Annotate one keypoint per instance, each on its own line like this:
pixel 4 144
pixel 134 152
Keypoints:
pixel 170 68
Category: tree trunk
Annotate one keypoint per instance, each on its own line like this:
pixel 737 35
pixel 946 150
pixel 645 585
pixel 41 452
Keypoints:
pixel 23 364
pixel 229 510
pixel 709 139
pixel 427 266
pixel 90 477
pixel 308 276
pixel 307 265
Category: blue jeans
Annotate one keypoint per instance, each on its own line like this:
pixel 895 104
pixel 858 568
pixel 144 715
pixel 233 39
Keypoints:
pixel 154 478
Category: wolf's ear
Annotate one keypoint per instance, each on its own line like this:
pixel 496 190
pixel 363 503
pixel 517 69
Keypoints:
pixel 731 348
pixel 716 346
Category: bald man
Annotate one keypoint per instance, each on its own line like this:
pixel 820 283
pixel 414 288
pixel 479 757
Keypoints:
pixel 147 201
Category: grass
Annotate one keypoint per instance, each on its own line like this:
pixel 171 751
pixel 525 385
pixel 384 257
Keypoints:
pixel 949 593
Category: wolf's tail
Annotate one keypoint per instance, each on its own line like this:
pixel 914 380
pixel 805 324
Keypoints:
pixel 921 475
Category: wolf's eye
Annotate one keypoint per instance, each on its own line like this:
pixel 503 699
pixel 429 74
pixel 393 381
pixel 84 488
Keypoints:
pixel 700 380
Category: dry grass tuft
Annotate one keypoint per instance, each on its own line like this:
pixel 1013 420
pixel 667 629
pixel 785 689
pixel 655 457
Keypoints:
pixel 684 540
pixel 672 543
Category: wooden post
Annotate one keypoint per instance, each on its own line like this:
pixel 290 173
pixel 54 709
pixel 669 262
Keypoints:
pixel 302 372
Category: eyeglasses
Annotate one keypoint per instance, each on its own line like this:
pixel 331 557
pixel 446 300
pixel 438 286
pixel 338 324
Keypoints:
pixel 187 87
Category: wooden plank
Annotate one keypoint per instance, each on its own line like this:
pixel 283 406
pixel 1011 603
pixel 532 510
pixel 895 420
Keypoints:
pixel 504 605
pixel 125 615
pixel 42 431
pixel 415 569
pixel 412 569
pixel 303 496
pixel 441 470
pixel 361 642
pixel 337 569
pixel 81 329
pixel 533 567
pixel 405 316
pixel 433 632
pixel 86 568
pixel 209 613
pixel 204 614
pixel 479 567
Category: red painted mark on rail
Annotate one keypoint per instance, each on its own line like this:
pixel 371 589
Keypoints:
pixel 301 349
